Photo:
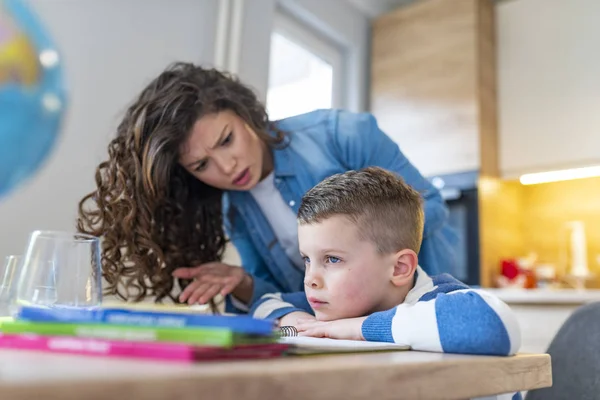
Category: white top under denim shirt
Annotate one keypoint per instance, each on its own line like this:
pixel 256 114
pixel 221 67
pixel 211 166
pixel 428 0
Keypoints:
pixel 281 217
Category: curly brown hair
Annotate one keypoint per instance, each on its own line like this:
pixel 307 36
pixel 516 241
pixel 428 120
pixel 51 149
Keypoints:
pixel 152 215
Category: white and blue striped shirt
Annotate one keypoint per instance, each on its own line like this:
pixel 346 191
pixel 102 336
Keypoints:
pixel 439 314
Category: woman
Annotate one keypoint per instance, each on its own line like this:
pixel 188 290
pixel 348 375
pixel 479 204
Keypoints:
pixel 196 158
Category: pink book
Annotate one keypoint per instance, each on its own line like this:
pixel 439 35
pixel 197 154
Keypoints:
pixel 152 350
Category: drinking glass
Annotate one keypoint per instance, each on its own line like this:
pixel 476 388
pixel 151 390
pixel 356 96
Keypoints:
pixel 59 269
pixel 8 279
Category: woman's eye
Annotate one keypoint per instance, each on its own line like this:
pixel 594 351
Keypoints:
pixel 227 139
pixel 201 165
pixel 332 260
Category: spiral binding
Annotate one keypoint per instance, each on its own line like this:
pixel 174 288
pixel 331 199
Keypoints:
pixel 288 331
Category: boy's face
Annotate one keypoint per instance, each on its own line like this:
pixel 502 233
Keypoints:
pixel 345 276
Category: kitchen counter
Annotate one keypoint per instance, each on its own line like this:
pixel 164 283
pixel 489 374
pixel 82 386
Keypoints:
pixel 546 296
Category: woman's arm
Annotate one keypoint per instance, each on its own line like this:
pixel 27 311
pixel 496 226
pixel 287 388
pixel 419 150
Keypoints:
pixel 261 282
pixel 241 286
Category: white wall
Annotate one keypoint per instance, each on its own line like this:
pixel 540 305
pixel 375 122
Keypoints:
pixel 255 46
pixel 111 49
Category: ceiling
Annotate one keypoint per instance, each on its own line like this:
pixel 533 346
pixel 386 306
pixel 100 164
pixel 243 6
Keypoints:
pixel 375 8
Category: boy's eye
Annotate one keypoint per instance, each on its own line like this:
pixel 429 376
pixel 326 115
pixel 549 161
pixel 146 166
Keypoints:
pixel 332 259
pixel 227 139
pixel 306 260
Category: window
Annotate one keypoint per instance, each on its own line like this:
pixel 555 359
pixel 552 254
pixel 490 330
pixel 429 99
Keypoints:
pixel 305 71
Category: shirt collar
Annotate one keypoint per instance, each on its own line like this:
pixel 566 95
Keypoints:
pixel 283 160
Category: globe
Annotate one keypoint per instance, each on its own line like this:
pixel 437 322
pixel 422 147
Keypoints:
pixel 32 95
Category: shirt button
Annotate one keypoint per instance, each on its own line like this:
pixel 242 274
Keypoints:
pixel 292 203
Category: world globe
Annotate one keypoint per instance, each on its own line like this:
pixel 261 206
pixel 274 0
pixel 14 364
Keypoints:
pixel 32 95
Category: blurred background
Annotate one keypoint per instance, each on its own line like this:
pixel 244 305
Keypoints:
pixel 494 101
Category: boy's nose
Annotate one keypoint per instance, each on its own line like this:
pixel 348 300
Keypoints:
pixel 313 282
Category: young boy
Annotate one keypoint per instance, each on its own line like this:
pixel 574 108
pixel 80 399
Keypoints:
pixel 359 234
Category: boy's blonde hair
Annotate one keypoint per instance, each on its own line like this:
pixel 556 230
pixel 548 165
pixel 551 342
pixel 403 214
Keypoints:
pixel 387 211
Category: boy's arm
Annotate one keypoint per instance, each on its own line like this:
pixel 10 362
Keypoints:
pixel 464 321
pixel 278 305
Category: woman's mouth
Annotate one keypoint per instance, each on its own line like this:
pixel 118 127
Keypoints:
pixel 243 178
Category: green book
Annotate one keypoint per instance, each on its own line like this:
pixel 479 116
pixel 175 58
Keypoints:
pixel 195 336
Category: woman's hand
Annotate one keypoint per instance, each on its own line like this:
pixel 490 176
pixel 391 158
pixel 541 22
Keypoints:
pixel 214 278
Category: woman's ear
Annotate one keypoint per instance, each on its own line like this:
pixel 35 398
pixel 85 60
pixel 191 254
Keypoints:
pixel 405 265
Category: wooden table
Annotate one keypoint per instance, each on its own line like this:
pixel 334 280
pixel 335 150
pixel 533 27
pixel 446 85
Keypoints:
pixel 389 375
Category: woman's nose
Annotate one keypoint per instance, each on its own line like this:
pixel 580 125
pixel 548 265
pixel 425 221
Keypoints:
pixel 226 164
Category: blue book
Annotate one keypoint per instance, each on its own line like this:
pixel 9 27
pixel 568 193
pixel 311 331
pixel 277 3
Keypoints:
pixel 119 316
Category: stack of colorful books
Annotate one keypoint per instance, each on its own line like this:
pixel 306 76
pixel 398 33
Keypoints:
pixel 150 334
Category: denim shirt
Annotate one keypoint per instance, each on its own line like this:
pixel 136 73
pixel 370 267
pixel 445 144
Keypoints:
pixel 319 144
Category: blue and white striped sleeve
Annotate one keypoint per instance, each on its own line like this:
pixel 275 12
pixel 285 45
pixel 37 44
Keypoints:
pixel 278 305
pixel 464 321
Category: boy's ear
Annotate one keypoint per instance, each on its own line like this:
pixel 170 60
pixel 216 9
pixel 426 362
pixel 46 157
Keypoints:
pixel 405 265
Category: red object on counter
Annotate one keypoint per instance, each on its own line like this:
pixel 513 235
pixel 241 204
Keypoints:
pixel 510 269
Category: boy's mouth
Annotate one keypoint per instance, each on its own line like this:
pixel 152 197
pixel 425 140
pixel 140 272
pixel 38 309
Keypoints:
pixel 316 303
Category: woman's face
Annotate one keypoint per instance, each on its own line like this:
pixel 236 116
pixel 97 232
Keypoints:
pixel 224 152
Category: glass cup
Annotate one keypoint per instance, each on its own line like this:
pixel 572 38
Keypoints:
pixel 59 269
pixel 8 279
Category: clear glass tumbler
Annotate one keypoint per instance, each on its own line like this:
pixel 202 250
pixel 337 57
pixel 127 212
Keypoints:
pixel 59 269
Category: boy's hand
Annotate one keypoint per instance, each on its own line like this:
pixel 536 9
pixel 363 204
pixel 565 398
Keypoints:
pixel 293 318
pixel 349 328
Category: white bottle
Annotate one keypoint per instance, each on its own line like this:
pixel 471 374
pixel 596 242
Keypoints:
pixel 579 266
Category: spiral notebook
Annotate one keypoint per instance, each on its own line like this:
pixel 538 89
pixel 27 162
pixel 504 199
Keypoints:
pixel 311 345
